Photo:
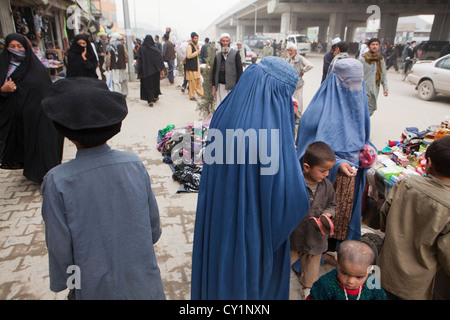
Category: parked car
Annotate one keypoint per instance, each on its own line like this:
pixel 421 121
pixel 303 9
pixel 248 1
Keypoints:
pixel 430 50
pixel 301 41
pixel 256 43
pixel 250 56
pixel 431 77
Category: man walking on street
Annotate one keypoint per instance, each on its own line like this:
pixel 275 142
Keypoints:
pixel 227 69
pixel 374 73
pixel 192 70
pixel 267 51
pixel 168 53
pixel 328 57
pixel 301 65
pixel 204 51
pixel 116 61
pixel 101 46
pixel 158 43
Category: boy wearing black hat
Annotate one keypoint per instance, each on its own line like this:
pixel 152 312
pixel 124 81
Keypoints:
pixel 100 213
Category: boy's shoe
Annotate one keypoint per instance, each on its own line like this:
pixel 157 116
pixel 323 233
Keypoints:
pixel 317 225
pixel 324 225
pixel 193 99
pixel 327 224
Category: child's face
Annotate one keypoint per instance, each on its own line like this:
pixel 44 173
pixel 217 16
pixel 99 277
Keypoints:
pixel 319 172
pixel 352 276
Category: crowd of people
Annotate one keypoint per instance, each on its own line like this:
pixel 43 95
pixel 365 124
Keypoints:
pixel 101 215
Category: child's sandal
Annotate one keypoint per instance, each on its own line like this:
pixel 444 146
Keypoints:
pixel 327 224
pixel 317 225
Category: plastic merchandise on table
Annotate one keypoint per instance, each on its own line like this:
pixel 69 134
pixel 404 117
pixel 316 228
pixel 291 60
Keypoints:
pixel 391 170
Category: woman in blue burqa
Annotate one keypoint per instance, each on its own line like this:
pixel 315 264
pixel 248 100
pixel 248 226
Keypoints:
pixel 339 116
pixel 246 212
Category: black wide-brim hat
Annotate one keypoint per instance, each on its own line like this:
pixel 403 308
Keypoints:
pixel 84 109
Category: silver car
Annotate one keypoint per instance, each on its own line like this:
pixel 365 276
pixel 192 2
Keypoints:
pixel 431 77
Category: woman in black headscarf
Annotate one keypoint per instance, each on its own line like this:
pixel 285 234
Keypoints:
pixel 28 138
pixel 82 61
pixel 150 67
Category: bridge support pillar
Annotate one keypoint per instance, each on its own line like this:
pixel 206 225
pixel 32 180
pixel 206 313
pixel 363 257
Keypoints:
pixel 441 27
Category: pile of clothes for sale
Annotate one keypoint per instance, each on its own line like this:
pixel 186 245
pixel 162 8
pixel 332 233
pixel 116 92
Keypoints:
pixel 182 149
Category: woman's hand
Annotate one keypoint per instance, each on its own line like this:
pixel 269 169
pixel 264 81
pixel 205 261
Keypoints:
pixel 83 54
pixel 347 170
pixel 9 86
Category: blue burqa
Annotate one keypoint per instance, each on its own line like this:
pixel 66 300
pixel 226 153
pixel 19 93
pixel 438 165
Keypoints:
pixel 246 212
pixel 339 116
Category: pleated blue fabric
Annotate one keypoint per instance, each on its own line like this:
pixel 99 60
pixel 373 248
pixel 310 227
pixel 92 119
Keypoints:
pixel 249 201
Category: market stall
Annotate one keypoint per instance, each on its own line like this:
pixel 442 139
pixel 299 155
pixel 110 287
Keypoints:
pixel 396 160
pixel 182 149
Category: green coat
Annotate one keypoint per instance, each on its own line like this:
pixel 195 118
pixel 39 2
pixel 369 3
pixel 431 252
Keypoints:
pixel 267 51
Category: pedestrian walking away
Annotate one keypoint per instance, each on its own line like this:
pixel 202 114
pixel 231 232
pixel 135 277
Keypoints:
pixel 28 138
pixel 150 68
pixel 168 54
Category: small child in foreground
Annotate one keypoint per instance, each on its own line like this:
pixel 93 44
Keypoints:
pixel 310 239
pixel 350 280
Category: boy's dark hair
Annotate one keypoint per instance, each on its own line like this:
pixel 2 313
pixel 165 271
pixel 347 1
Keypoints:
pixel 343 46
pixel 318 153
pixel 439 153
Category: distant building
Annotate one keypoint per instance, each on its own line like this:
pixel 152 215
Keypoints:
pixel 108 9
pixel 412 28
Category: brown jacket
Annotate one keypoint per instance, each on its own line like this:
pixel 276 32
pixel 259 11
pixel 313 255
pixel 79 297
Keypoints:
pixel 305 238
pixel 416 220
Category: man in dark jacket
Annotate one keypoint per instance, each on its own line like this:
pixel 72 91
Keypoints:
pixel 101 45
pixel 204 51
pixel 328 57
pixel 168 53
pixel 227 69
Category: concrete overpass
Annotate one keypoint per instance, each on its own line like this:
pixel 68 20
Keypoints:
pixel 333 17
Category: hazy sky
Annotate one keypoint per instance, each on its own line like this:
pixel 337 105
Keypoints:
pixel 184 16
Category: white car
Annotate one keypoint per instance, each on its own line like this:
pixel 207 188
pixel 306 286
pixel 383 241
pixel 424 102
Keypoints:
pixel 431 77
pixel 301 41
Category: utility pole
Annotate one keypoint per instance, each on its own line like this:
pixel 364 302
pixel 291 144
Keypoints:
pixel 129 40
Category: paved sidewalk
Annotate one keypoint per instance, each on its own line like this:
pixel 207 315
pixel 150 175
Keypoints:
pixel 23 253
